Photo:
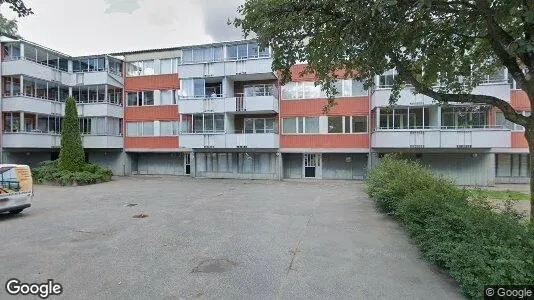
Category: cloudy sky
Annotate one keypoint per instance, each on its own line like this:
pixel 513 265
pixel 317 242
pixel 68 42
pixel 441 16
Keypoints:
pixel 80 27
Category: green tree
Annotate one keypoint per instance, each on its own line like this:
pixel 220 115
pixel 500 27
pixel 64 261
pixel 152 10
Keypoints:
pixel 8 26
pixel 71 154
pixel 442 48
pixel 18 6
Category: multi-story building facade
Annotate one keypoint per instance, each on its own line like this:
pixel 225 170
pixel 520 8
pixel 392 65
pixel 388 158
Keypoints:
pixel 219 111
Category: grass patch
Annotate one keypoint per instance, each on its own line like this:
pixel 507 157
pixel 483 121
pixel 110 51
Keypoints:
pixel 499 195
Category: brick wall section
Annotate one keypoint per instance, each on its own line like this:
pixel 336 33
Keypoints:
pixel 152 82
pixel 151 142
pixel 325 141
pixel 150 113
pixel 520 100
pixel 314 107
pixel 519 140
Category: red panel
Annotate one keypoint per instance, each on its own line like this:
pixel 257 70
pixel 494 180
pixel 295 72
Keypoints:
pixel 325 141
pixel 314 107
pixel 149 113
pixel 520 100
pixel 151 142
pixel 519 140
pixel 152 82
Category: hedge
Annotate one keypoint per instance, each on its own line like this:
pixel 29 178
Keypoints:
pixel 474 243
pixel 49 172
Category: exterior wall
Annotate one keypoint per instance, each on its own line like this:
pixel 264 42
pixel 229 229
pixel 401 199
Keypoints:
pixel 151 142
pixel 118 161
pixel 152 82
pixel 344 166
pixel 463 168
pixel 31 158
pixel 251 165
pixel 346 106
pixel 158 163
pixel 292 163
pixel 352 140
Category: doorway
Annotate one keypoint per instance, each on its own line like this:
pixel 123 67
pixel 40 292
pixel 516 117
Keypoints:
pixel 187 163
pixel 311 164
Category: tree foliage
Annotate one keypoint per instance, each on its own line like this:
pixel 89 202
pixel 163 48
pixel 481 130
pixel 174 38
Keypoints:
pixel 7 26
pixel 71 155
pixel 18 6
pixel 441 48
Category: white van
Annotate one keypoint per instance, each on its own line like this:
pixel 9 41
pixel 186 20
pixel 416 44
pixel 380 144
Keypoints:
pixel 16 188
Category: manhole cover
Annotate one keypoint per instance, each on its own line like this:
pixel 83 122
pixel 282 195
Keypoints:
pixel 140 216
pixel 214 266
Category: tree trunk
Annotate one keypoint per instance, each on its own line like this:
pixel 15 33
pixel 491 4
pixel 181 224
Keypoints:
pixel 529 135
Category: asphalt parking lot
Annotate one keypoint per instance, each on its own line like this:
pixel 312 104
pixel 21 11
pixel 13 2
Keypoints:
pixel 213 239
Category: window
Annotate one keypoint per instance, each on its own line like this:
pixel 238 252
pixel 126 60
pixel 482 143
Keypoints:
pixel 140 68
pixel 335 124
pixel 208 123
pixel 502 121
pixel 300 125
pixel 246 51
pixel 193 88
pixel 131 98
pixel 386 81
pixel 148 67
pixel 167 97
pixel 168 128
pixel 465 117
pixel 148 128
pixel 133 129
pixel 259 125
pixel 169 66
pixel 359 124
pixel 258 90
pixel 148 98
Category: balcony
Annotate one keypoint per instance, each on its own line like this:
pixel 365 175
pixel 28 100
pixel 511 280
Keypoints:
pixel 19 66
pixel 253 69
pixel 99 78
pixel 230 141
pixel 31 140
pixel 254 104
pixel 33 105
pixel 103 142
pixel 100 109
pixel 442 138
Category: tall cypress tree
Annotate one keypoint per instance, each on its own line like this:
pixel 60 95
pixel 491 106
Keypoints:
pixel 71 155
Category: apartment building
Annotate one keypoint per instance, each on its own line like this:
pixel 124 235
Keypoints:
pixel 219 111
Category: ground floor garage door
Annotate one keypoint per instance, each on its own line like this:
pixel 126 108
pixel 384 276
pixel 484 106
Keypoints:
pixel 158 164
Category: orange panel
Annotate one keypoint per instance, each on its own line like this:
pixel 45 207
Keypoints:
pixel 314 107
pixel 151 142
pixel 520 100
pixel 152 82
pixel 519 140
pixel 148 113
pixel 296 71
pixel 325 141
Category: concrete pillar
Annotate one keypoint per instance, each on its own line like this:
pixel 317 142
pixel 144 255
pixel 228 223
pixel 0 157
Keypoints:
pixel 21 123
pixel 106 96
pixel 193 164
pixel 377 118
pixel 22 50
pixel 280 165
pixel 69 66
pixel 438 117
pixel 70 91
pixel 22 92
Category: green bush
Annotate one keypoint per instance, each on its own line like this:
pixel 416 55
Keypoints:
pixel 474 243
pixel 49 172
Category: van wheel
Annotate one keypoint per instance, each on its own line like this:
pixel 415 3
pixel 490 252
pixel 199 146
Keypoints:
pixel 16 211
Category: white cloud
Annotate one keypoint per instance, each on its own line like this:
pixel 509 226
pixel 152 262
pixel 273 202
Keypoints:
pixel 80 27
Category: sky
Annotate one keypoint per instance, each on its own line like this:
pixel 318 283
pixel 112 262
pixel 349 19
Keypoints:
pixel 82 27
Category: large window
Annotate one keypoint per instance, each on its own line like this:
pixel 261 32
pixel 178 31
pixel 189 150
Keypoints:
pixel 386 80
pixel 347 124
pixel 169 66
pixel 89 64
pixel 246 51
pixel 259 90
pixel 140 68
pixel 95 94
pixel 168 128
pixel 308 90
pixel 502 121
pixel 464 117
pixel 259 125
pixel 193 88
pixel 143 98
pixel 301 125
pixel 208 123
pixel 168 97
pixel 202 54
pixel 140 128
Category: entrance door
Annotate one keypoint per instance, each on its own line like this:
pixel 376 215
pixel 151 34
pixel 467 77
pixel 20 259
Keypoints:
pixel 187 164
pixel 311 165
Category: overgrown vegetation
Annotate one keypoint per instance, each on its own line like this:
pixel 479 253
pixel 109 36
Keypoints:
pixel 49 172
pixel 475 244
